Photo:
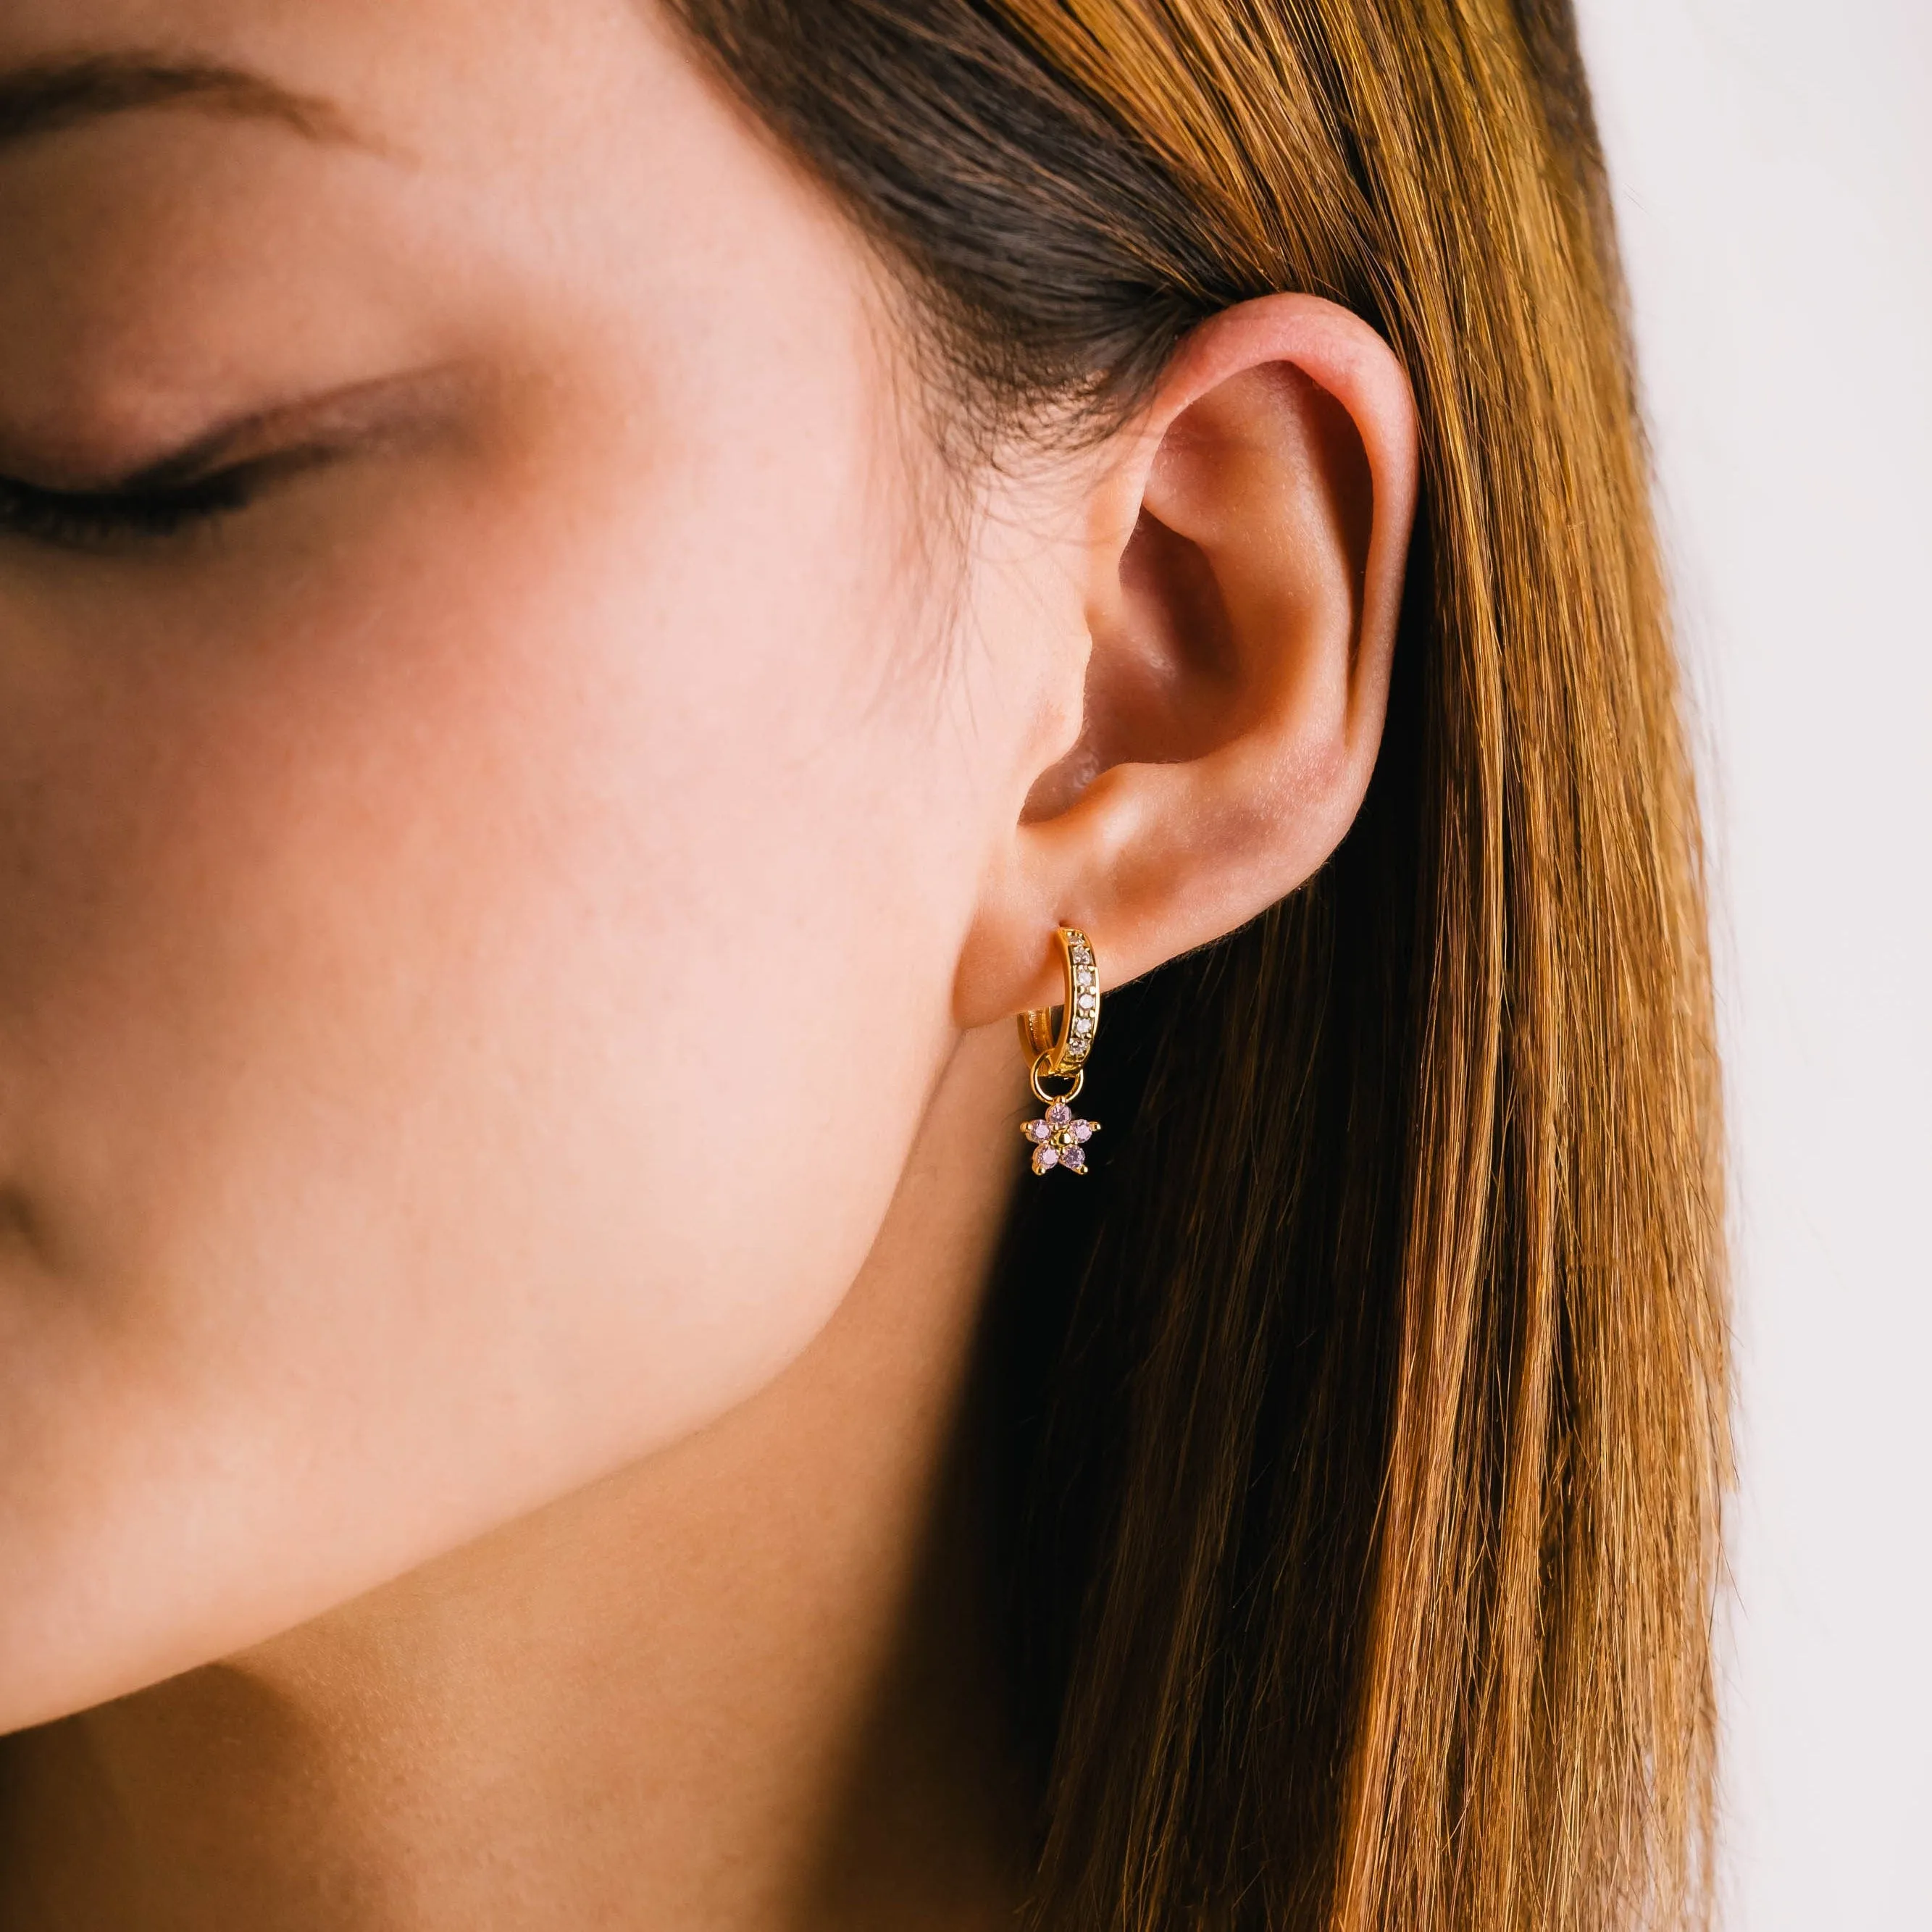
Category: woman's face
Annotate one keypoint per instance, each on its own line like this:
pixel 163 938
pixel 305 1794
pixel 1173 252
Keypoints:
pixel 477 916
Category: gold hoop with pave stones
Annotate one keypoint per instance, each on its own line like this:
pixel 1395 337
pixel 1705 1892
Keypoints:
pixel 1059 1052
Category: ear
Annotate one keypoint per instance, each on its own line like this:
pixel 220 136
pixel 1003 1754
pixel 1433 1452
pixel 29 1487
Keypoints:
pixel 1247 540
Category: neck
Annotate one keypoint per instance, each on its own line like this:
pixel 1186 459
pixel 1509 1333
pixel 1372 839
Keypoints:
pixel 743 1684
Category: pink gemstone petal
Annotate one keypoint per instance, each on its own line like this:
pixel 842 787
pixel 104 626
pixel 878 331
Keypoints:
pixel 1060 1113
pixel 1083 1130
pixel 1074 1160
pixel 1035 1130
pixel 1044 1157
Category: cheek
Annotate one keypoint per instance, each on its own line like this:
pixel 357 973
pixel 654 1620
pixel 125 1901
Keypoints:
pixel 472 1018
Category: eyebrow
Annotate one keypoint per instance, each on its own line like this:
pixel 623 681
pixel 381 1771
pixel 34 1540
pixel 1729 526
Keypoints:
pixel 48 97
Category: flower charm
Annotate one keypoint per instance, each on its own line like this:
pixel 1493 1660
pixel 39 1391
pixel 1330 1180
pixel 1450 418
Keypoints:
pixel 1059 1140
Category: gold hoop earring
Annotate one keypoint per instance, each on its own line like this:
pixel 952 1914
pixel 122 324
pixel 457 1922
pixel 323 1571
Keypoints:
pixel 1059 1053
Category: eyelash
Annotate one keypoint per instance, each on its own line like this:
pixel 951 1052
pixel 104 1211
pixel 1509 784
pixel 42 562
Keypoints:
pixel 103 519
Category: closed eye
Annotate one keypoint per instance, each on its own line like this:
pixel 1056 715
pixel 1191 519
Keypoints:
pixel 223 472
pixel 112 518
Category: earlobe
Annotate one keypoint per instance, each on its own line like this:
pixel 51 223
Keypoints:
pixel 1250 534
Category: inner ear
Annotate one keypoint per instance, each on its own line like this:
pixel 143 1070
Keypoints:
pixel 1165 685
pixel 1244 560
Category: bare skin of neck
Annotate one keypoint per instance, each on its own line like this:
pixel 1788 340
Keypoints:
pixel 741 1687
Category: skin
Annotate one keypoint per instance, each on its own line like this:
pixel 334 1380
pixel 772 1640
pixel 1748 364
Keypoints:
pixel 507 1086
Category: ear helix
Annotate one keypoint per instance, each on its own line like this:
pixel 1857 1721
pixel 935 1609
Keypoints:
pixel 1059 1054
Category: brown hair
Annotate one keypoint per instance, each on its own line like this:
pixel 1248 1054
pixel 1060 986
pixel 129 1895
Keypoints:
pixel 1363 1425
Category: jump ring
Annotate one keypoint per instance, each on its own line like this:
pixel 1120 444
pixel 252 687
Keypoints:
pixel 1075 1081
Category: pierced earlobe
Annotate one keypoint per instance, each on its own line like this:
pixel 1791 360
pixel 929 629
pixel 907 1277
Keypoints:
pixel 1059 1053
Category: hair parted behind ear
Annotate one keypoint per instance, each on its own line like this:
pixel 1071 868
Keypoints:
pixel 1364 1418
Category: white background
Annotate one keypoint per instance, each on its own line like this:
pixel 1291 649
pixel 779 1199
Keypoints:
pixel 1772 161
